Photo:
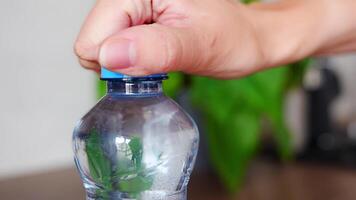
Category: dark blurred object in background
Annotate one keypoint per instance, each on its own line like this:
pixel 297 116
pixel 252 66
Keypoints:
pixel 327 139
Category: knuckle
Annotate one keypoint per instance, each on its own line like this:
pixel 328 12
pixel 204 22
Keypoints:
pixel 89 64
pixel 82 50
pixel 173 52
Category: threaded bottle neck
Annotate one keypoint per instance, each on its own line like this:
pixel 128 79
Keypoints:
pixel 135 87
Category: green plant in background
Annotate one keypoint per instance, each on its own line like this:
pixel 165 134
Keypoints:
pixel 99 164
pixel 233 111
pixel 128 174
pixel 232 114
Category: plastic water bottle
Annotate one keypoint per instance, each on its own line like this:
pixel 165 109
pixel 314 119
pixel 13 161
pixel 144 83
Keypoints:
pixel 135 143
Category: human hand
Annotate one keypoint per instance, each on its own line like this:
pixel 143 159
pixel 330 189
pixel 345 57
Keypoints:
pixel 141 37
pixel 218 38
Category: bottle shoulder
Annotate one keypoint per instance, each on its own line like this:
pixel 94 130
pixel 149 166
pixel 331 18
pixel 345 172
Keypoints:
pixel 118 104
pixel 135 114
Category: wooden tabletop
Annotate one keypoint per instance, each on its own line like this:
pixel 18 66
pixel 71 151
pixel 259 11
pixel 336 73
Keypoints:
pixel 265 181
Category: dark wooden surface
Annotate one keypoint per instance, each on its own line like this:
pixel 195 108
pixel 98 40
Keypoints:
pixel 265 181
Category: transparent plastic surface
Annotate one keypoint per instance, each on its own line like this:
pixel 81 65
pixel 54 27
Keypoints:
pixel 135 146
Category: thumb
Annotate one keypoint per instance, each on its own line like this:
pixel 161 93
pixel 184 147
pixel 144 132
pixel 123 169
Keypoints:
pixel 150 49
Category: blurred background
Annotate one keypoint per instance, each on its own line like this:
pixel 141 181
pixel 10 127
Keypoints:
pixel 287 133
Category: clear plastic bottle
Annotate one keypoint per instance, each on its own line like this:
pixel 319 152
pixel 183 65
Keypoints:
pixel 136 143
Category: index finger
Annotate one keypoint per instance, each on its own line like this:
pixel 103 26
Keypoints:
pixel 106 18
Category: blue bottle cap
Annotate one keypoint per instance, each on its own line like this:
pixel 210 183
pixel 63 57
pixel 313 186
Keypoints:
pixel 110 75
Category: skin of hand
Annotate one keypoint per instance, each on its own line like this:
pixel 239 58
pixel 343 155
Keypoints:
pixel 217 38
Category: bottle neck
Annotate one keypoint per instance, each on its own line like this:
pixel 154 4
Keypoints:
pixel 137 87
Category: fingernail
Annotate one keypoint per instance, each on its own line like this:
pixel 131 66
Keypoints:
pixel 118 54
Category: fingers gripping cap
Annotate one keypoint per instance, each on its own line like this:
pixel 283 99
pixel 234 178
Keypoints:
pixel 110 75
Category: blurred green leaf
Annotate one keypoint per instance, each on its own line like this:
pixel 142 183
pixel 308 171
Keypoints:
pixel 99 165
pixel 135 185
pixel 131 175
pixel 128 176
pixel 232 124
pixel 233 110
pixel 231 152
pixel 296 73
pixel 249 1
pixel 101 88
pixel 137 150
pixel 173 84
pixel 271 84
